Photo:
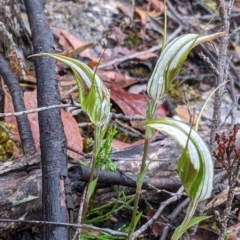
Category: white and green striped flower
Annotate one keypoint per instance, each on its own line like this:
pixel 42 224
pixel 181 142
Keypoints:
pixel 171 60
pixel 93 95
pixel 195 166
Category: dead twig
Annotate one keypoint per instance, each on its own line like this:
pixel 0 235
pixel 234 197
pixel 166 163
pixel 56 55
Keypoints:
pixel 78 232
pixel 173 216
pixel 12 81
pixel 224 11
pixel 107 230
pixel 36 110
pixel 158 212
pixel 209 63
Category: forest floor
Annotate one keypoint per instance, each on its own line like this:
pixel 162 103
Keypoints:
pixel 123 41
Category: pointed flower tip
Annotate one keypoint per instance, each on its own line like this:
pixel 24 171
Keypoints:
pixel 209 38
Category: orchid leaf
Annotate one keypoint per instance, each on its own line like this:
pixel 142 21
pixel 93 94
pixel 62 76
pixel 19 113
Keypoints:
pixel 91 188
pixel 205 103
pixel 177 233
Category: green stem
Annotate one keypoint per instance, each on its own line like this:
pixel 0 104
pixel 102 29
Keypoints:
pixel 150 112
pixel 183 227
pixel 139 187
pixel 97 140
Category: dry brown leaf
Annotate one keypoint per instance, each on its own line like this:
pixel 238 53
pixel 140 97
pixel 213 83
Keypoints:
pixel 132 104
pixel 74 138
pixel 157 226
pixel 124 9
pixel 71 42
pixel 157 5
pixel 75 52
pixel 117 78
pixel 221 198
pixel 142 14
pixel 183 113
pixel 61 38
pixel 76 42
pixel 28 85
pixel 67 83
pixel 119 145
pixel 16 69
pixel 155 14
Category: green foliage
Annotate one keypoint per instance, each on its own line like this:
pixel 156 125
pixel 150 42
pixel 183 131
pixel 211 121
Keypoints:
pixel 94 98
pixel 133 39
pixel 103 213
pixel 6 141
pixel 91 188
pixel 141 176
pixel 188 221
pixel 177 233
pixel 103 235
pixel 170 62
pixel 137 218
pixel 104 161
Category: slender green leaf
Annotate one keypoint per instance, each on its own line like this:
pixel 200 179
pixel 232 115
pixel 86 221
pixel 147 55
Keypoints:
pixel 140 177
pixel 176 235
pixel 91 188
pixel 204 105
pixel 135 222
pixel 164 40
pixel 137 218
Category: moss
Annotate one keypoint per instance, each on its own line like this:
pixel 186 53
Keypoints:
pixel 6 141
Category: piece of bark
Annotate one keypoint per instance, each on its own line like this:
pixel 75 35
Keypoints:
pixel 162 155
pixel 10 16
pixel 21 179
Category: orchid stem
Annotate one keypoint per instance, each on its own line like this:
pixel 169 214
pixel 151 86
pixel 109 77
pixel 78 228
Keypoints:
pixel 97 140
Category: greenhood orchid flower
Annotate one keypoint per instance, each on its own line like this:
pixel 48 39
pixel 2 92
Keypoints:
pixel 171 60
pixel 93 95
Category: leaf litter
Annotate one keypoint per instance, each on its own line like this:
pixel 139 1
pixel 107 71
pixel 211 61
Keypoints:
pixel 82 37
